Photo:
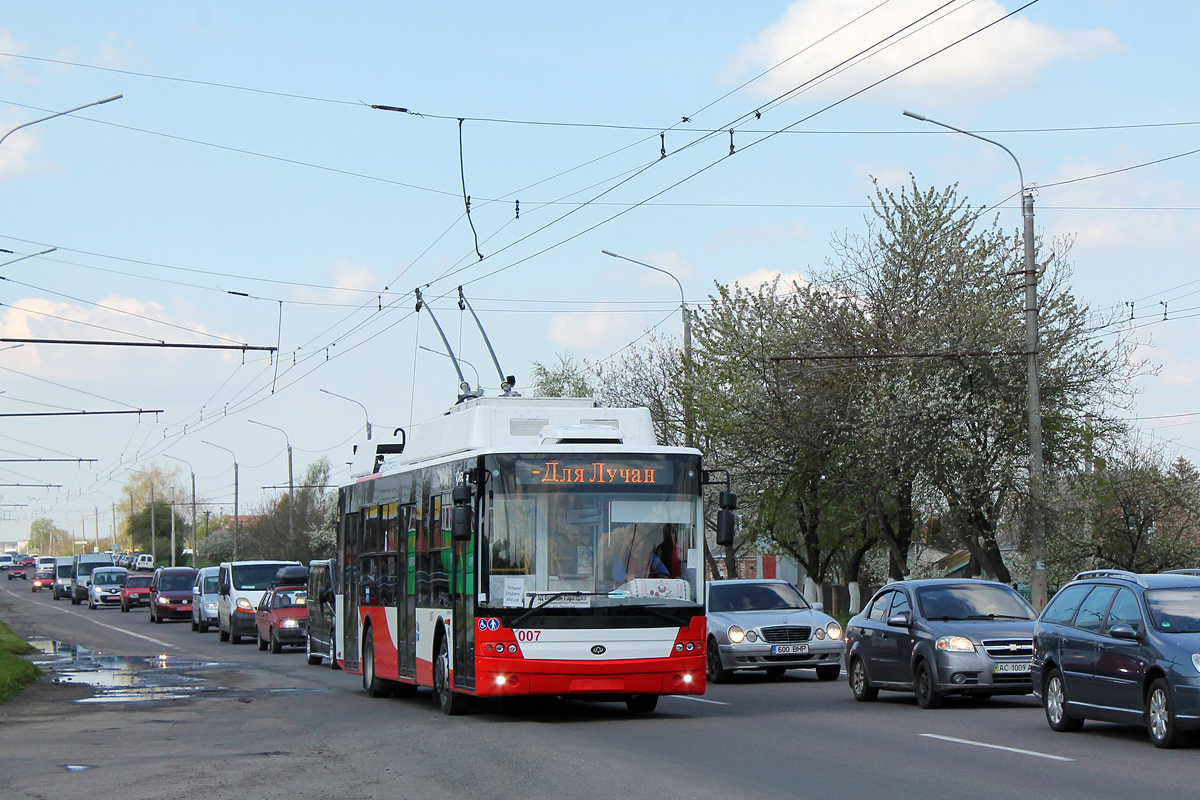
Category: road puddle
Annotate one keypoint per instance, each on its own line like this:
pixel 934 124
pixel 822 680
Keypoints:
pixel 125 679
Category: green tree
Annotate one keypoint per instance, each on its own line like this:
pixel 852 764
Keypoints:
pixel 47 538
pixel 567 378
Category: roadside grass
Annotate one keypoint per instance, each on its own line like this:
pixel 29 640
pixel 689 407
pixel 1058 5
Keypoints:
pixel 15 671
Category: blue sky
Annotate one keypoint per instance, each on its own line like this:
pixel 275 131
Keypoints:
pixel 243 191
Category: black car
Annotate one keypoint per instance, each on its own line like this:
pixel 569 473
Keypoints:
pixel 1122 647
pixel 941 636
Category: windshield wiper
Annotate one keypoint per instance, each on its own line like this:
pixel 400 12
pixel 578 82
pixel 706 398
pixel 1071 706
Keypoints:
pixel 948 618
pixel 551 599
pixel 997 616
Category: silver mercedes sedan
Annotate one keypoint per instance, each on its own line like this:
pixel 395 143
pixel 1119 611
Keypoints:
pixel 767 625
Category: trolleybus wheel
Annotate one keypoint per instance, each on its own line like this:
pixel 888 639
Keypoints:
pixel 313 660
pixel 373 685
pixel 642 703
pixel 451 702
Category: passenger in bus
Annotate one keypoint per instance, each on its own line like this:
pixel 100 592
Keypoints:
pixel 636 560
pixel 668 552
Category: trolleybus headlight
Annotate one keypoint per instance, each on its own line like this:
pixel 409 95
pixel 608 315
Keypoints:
pixel 500 680
pixel 736 634
pixel 687 678
pixel 512 648
pixel 679 647
pixel 691 646
pixel 833 631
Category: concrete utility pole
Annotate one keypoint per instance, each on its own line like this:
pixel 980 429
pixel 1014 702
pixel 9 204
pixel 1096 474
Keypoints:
pixel 291 482
pixel 1037 521
pixel 153 549
pixel 172 526
pixel 237 525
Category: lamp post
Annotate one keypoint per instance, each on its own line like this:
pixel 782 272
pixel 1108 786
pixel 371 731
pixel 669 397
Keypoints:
pixel 59 114
pixel 193 471
pixel 446 355
pixel 237 523
pixel 360 405
pixel 688 436
pixel 291 485
pixel 1037 526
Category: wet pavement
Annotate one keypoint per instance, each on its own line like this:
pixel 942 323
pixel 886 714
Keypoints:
pixel 126 679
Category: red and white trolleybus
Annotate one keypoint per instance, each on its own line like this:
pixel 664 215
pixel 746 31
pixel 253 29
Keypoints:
pixel 525 546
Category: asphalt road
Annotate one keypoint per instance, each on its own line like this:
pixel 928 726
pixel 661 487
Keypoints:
pixel 248 724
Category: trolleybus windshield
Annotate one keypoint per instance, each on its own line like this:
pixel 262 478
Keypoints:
pixel 592 530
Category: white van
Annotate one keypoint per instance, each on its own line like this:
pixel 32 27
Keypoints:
pixel 81 573
pixel 240 586
pixel 144 561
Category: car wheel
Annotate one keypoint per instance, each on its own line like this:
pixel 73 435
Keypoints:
pixel 261 644
pixel 642 703
pixel 1054 701
pixel 1160 716
pixel 202 626
pixel 715 670
pixel 223 634
pixel 234 638
pixel 373 685
pixel 74 600
pixel 333 664
pixel 195 625
pixel 863 691
pixel 276 645
pixel 775 672
pixel 313 660
pixel 927 694
pixel 451 702
pixel 829 672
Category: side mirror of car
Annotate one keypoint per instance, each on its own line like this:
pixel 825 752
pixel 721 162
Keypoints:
pixel 818 606
pixel 1123 631
pixel 903 620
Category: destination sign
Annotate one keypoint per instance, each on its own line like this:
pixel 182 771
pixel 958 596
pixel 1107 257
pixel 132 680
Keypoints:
pixel 595 472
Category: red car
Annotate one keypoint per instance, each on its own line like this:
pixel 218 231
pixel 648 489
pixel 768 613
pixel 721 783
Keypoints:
pixel 171 593
pixel 136 592
pixel 282 617
pixel 18 570
pixel 42 579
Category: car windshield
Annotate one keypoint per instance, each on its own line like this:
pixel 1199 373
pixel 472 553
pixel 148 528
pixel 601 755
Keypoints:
pixel 973 601
pixel 755 597
pixel 255 577
pixel 1175 610
pixel 64 570
pixel 209 586
pixel 175 583
pixel 108 578
pixel 138 581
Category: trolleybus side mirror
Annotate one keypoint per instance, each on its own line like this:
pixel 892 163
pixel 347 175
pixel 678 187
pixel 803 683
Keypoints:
pixel 726 519
pixel 461 521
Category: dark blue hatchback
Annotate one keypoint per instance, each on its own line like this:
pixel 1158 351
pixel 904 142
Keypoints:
pixel 1121 647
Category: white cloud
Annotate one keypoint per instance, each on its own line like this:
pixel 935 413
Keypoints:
pixel 755 280
pixel 115 51
pixel 349 275
pixel 588 330
pixel 998 60
pixel 10 68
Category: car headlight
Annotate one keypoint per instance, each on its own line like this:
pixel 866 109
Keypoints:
pixel 958 644
pixel 736 634
pixel 1196 661
pixel 244 604
pixel 210 607
pixel 819 633
pixel 164 600
pixel 289 623
pixel 751 636
pixel 833 631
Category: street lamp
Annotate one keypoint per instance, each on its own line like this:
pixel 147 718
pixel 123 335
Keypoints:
pixel 688 436
pixel 59 114
pixel 291 485
pixel 1037 526
pixel 193 471
pixel 360 405
pixel 446 355
pixel 237 523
